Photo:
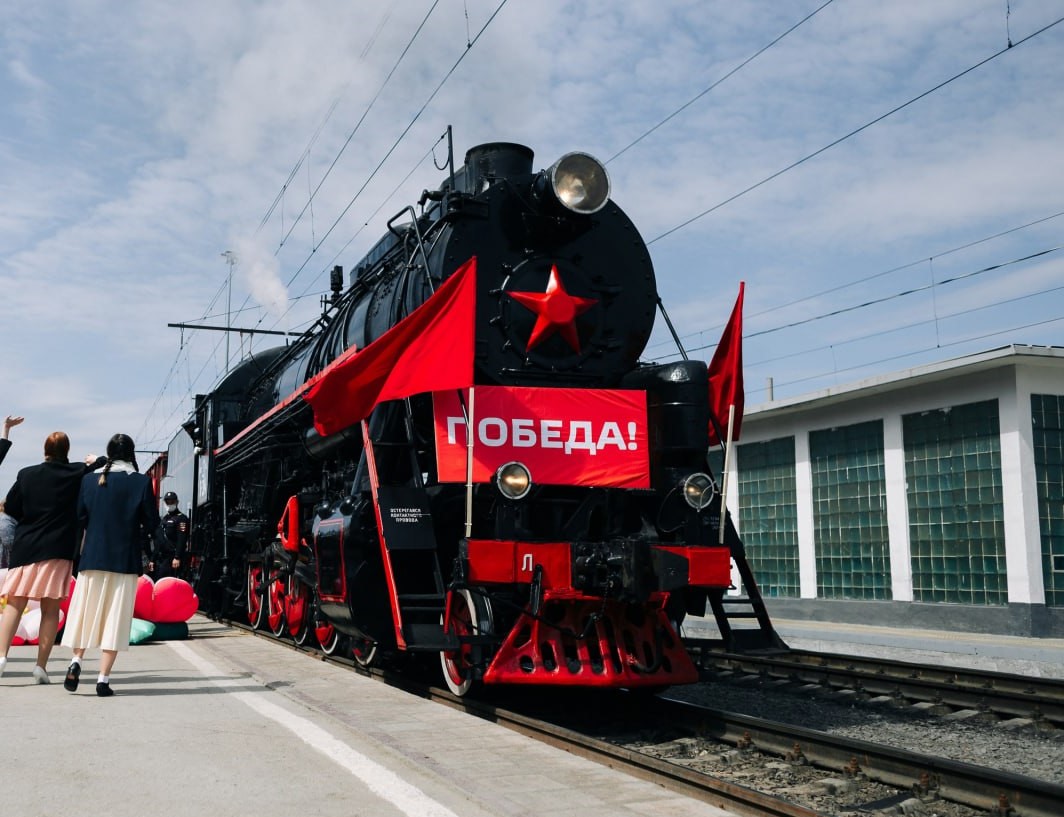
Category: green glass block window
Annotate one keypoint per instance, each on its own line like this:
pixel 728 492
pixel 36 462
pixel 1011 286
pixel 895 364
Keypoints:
pixel 1047 425
pixel 956 515
pixel 768 514
pixel 850 512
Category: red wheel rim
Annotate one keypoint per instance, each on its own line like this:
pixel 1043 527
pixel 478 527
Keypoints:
pixel 295 607
pixel 456 662
pixel 254 598
pixel 275 614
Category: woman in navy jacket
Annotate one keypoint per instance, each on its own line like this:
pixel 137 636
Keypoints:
pixel 116 506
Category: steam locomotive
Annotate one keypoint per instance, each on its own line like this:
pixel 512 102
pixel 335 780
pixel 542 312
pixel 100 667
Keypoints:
pixel 556 531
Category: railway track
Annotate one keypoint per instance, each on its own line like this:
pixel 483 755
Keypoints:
pixel 914 775
pixel 672 743
pixel 941 689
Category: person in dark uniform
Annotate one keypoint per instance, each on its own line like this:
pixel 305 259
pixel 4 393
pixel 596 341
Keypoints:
pixel 171 541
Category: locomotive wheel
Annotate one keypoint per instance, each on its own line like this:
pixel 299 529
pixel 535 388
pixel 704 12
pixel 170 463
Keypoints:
pixel 364 651
pixel 298 610
pixel 275 596
pixel 328 638
pixel 470 615
pixel 256 600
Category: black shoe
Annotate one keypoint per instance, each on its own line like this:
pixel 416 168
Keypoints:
pixel 104 690
pixel 70 683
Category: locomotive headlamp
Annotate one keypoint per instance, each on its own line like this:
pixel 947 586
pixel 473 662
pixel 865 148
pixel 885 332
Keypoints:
pixel 698 491
pixel 580 183
pixel 514 480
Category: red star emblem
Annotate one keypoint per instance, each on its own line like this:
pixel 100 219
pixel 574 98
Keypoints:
pixel 556 311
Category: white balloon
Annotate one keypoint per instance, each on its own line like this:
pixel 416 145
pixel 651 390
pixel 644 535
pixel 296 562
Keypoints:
pixel 29 627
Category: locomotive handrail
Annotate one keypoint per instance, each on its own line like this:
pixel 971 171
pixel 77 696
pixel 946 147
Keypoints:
pixel 417 235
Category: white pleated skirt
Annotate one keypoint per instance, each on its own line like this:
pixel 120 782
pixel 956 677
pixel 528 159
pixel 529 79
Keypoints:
pixel 101 611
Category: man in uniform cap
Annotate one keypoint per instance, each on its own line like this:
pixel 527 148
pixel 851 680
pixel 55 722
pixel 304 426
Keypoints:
pixel 171 541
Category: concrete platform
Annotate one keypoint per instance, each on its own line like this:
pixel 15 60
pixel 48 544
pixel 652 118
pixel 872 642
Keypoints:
pixel 1039 657
pixel 227 723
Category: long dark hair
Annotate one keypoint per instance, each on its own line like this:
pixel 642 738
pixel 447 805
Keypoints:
pixel 119 447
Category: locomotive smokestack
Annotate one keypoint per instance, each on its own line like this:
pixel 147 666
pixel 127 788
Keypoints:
pixel 495 160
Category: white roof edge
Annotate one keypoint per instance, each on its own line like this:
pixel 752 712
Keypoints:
pixel 980 361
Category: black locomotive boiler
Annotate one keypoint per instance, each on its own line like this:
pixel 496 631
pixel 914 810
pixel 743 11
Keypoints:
pixel 565 543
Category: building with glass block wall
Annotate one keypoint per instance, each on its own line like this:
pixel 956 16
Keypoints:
pixel 933 497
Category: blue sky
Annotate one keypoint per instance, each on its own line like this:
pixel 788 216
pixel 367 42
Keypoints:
pixel 141 141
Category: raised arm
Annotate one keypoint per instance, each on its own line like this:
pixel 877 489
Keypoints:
pixel 10 422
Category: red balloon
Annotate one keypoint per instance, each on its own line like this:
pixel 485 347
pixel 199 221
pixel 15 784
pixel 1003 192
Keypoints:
pixel 144 605
pixel 175 601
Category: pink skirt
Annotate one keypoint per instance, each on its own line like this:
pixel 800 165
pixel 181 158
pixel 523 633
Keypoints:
pixel 41 580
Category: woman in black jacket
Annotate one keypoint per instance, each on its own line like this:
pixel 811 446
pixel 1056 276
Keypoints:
pixel 116 506
pixel 43 501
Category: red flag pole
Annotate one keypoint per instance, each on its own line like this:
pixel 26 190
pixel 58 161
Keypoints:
pixel 469 467
pixel 727 467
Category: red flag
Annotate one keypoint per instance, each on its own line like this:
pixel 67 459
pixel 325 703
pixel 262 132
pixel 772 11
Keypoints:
pixel 431 349
pixel 726 376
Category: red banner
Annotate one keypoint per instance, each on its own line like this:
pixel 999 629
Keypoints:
pixel 563 436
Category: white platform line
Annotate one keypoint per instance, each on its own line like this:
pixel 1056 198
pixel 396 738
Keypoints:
pixel 377 778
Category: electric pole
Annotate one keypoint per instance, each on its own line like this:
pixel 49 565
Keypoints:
pixel 230 258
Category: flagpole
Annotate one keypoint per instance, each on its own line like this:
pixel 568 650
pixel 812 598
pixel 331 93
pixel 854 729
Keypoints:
pixel 469 467
pixel 727 471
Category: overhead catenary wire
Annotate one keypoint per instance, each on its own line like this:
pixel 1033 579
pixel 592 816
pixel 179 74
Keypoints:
pixel 358 124
pixel 913 353
pixel 397 142
pixel 387 155
pixel 910 291
pixel 890 297
pixel 470 43
pixel 798 353
pixel 321 125
pixel 342 249
pixel 717 82
pixel 871 277
pixel 851 134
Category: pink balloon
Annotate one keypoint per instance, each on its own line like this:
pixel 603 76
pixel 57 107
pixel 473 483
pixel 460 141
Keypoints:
pixel 144 605
pixel 175 601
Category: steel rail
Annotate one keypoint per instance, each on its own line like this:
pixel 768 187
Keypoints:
pixel 974 786
pixel 1041 699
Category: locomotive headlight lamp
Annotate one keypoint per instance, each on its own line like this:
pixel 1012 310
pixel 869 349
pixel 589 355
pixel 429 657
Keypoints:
pixel 698 491
pixel 580 183
pixel 514 480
